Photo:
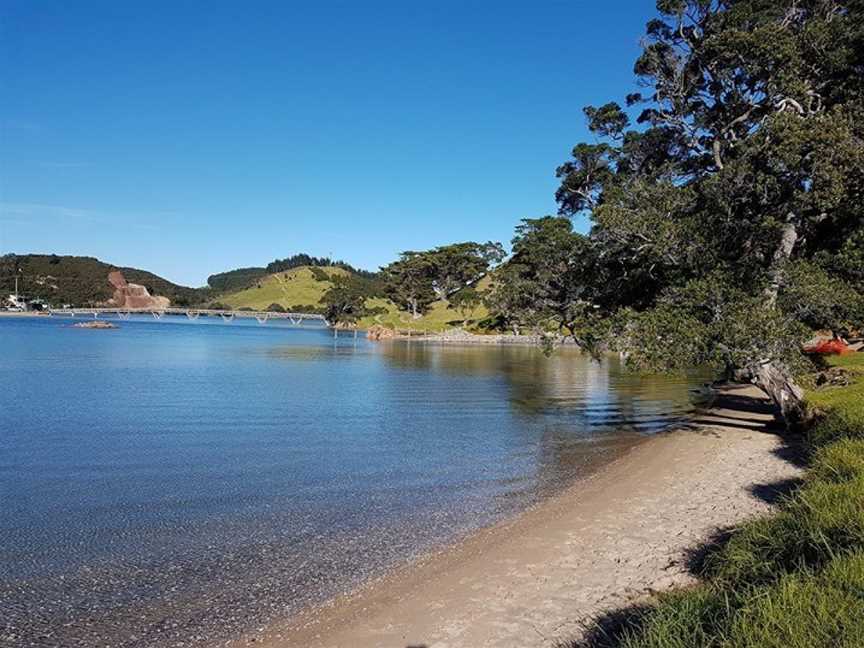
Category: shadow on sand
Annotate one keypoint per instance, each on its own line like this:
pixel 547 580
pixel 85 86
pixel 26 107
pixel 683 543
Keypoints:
pixel 728 410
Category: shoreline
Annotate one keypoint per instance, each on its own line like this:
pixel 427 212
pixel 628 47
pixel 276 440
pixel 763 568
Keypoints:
pixel 23 314
pixel 610 539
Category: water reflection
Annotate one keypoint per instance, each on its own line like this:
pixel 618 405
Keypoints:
pixel 159 479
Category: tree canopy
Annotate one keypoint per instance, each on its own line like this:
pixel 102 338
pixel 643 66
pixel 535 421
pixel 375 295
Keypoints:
pixel 727 217
pixel 417 279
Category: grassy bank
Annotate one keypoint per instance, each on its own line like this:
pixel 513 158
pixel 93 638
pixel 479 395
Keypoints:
pixel 302 288
pixel 791 580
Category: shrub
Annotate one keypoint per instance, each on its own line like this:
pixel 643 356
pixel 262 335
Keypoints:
pixel 276 308
pixel 840 461
pixel 319 275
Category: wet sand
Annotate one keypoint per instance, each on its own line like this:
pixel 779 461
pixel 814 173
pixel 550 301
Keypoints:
pixel 607 541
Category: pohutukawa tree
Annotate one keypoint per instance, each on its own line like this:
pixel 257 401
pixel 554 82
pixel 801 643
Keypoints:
pixel 728 222
pixel 418 279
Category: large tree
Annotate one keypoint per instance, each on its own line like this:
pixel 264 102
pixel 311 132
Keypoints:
pixel 408 282
pixel 727 223
pixel 543 286
pixel 417 279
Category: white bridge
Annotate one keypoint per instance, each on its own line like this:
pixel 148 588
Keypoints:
pixel 191 313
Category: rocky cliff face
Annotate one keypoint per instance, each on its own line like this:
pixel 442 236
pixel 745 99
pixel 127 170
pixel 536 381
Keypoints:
pixel 133 296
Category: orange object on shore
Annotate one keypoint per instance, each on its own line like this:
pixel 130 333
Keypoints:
pixel 828 347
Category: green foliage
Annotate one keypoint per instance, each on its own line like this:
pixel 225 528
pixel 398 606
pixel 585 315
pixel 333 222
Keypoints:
pixel 710 322
pixel 418 279
pixel 241 278
pixel 741 183
pixel 821 301
pixel 345 302
pixel 848 262
pixel 540 287
pixel 794 579
pixel 82 281
pixel 301 260
pixel 235 279
pixel 319 275
pixel 276 308
pixel 409 282
pixel 466 301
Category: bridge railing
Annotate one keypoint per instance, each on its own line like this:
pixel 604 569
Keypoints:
pixel 191 313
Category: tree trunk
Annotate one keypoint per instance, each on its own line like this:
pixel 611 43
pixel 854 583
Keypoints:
pixel 782 254
pixel 779 385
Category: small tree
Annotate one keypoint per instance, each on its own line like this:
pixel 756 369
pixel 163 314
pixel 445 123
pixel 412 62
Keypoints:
pixel 466 301
pixel 345 301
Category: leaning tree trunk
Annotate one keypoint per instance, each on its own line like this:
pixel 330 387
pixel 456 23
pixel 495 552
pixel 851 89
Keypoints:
pixel 779 385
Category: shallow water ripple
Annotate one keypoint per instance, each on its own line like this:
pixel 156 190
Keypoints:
pixel 176 484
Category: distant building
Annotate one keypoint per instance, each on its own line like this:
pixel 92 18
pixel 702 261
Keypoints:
pixel 20 303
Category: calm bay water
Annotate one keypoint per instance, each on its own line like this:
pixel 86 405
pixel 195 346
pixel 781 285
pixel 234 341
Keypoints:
pixel 175 483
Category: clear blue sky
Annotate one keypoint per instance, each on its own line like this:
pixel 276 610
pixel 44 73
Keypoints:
pixel 189 138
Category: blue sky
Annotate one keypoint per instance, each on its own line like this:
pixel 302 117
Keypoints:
pixel 190 138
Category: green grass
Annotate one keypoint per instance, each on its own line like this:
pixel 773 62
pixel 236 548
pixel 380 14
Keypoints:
pixel 300 287
pixel 840 461
pixel 805 610
pixel 686 619
pixel 296 287
pixel 840 410
pixel 794 579
pixel 824 519
pixel 439 317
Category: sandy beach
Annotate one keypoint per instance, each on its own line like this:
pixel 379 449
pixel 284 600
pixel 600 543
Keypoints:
pixel 609 540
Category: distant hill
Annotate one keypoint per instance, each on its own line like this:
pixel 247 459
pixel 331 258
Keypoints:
pixel 301 289
pixel 303 286
pixel 83 281
pixel 235 280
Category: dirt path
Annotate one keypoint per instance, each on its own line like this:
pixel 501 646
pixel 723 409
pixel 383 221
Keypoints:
pixel 607 541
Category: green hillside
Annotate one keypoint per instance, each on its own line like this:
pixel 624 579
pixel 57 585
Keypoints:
pixel 82 281
pixel 302 288
pixel 439 317
pixel 289 289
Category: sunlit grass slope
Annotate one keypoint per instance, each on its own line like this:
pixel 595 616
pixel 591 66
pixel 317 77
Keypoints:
pixel 439 317
pixel 296 287
pixel 299 287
